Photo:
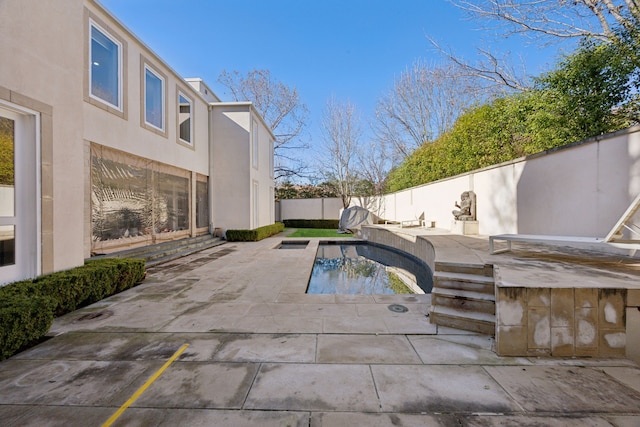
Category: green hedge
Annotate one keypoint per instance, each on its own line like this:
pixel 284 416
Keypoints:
pixel 312 223
pixel 28 307
pixel 23 320
pixel 255 234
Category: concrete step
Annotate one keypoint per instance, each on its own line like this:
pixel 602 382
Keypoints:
pixel 463 300
pixel 464 281
pixel 453 267
pixel 167 251
pixel 175 254
pixel 172 245
pixel 483 323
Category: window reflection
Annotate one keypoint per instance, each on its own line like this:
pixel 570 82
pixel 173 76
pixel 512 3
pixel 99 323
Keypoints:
pixel 129 201
pixel 105 68
pixel 184 118
pixel 154 99
pixel 7 245
pixel 7 191
pixel 202 204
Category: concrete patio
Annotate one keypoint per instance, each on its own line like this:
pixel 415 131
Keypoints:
pixel 263 352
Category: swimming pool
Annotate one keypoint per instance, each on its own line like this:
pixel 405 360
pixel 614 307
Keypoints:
pixel 365 268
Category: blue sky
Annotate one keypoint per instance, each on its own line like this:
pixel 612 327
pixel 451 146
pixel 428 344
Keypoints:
pixel 352 49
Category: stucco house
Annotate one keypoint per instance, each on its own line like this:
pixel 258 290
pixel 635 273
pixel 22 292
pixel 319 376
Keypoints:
pixel 103 146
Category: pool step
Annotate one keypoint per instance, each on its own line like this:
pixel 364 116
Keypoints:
pixel 463 297
pixel 466 301
pixel 464 281
pixel 481 323
pixel 456 267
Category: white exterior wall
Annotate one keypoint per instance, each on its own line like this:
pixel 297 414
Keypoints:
pixel 232 171
pixel 263 175
pixel 46 71
pixel 42 44
pixel 128 134
pixel 230 163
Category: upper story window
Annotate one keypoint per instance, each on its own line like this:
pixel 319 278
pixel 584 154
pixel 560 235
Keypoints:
pixel 106 67
pixel 154 98
pixel 254 144
pixel 185 121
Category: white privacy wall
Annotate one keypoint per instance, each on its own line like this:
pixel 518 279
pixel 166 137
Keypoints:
pixel 577 190
pixel 327 208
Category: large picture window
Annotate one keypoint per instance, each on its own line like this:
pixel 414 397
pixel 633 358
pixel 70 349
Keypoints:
pixel 137 200
pixel 153 98
pixel 105 67
pixel 185 122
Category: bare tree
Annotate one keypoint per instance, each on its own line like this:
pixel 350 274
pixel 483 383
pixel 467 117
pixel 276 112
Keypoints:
pixel 556 19
pixel 341 132
pixel 423 103
pixel 491 72
pixel 281 108
pixel 374 164
pixel 544 22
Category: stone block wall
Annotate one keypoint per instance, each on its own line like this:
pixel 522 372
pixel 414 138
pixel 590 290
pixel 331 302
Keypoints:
pixel 562 322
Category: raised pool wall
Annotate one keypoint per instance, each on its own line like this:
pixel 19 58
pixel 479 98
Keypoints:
pixel 566 322
pixel 537 321
pixel 417 246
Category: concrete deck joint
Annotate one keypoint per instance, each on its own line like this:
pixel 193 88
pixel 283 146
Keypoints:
pixel 262 352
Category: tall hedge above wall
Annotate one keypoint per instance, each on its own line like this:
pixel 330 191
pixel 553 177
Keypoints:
pixel 255 234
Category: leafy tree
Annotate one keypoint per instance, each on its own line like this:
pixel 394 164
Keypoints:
pixel 286 190
pixel 596 88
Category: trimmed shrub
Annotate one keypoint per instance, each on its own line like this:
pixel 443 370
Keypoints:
pixel 80 286
pixel 255 234
pixel 312 223
pixel 23 321
pixel 27 307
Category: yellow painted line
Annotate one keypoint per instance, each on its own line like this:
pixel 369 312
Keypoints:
pixel 145 386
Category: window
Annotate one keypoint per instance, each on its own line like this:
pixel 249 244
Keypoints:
pixel 185 125
pixel 202 204
pixel 254 143
pixel 105 68
pixel 153 98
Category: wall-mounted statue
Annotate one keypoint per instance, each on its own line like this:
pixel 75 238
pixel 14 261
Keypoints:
pixel 467 208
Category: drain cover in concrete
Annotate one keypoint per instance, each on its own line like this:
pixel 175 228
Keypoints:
pixel 397 308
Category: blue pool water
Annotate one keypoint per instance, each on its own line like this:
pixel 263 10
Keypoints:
pixel 362 268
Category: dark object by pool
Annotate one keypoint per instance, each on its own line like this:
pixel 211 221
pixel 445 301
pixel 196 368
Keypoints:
pixel 364 268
